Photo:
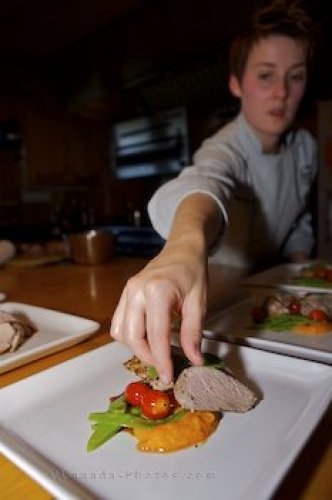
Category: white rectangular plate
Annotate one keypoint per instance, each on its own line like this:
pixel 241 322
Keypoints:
pixel 44 430
pixel 284 277
pixel 233 322
pixel 55 331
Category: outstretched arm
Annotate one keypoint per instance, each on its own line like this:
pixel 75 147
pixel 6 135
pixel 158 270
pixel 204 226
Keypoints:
pixel 175 281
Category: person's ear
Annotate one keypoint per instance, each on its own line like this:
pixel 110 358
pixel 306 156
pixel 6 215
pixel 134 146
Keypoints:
pixel 234 86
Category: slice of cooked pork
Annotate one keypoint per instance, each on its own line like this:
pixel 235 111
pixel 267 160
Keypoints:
pixel 275 305
pixel 209 389
pixel 313 301
pixel 13 332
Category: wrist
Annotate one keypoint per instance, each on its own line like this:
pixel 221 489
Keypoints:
pixel 190 242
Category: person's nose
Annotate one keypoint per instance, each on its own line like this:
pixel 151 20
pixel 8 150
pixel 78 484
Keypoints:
pixel 281 87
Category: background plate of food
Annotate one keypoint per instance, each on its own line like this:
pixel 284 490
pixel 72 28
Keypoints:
pixel 296 323
pixel 44 429
pixel 29 332
pixel 315 276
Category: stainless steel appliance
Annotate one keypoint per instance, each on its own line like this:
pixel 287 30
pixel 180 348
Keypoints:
pixel 155 145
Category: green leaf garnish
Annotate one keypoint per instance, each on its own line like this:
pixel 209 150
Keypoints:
pixel 118 405
pixel 120 415
pixel 213 361
pixel 152 373
pixel 101 434
pixel 314 282
pixel 132 421
pixel 283 322
pixel 108 423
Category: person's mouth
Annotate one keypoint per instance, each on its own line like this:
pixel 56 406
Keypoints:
pixel 277 113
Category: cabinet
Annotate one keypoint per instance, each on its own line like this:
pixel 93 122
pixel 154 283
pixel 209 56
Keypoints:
pixel 63 149
pixel 9 185
pixel 324 209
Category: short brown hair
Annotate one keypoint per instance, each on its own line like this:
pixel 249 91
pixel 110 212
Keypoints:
pixel 279 17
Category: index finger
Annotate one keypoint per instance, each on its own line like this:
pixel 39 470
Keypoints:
pixel 128 326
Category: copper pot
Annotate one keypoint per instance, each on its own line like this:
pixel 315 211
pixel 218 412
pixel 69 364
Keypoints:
pixel 91 247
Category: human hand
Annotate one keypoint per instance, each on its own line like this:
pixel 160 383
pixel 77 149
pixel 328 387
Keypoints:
pixel 173 282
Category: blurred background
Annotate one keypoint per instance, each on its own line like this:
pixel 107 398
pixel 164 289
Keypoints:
pixel 101 101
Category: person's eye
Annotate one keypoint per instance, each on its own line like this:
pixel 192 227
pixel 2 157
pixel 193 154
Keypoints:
pixel 265 76
pixel 298 77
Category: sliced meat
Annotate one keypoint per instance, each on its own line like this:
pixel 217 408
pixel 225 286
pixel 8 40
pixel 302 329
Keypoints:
pixel 313 301
pixel 205 388
pixel 13 332
pixel 135 365
pixel 275 305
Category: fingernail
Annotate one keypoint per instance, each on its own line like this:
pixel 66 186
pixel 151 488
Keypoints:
pixel 164 378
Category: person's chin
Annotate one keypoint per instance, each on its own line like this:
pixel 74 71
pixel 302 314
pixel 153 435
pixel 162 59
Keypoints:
pixel 278 125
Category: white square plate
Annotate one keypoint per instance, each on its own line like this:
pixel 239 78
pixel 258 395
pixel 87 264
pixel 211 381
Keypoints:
pixel 232 321
pixel 55 331
pixel 284 277
pixel 44 430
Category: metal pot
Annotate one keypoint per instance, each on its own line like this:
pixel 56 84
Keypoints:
pixel 91 247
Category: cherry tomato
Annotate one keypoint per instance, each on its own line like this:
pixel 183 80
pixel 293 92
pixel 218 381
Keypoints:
pixel 320 272
pixel 294 307
pixel 156 404
pixel 317 315
pixel 258 314
pixel 135 391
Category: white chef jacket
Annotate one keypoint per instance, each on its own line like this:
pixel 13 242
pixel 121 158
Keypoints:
pixel 263 198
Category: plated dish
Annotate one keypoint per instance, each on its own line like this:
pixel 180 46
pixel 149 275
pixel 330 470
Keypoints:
pixel 54 331
pixel 165 418
pixel 315 276
pixel 295 393
pixel 287 322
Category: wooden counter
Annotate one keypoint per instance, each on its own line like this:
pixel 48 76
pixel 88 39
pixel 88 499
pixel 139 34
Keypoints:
pixel 93 292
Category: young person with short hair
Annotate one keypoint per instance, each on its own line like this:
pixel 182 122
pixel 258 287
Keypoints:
pixel 244 199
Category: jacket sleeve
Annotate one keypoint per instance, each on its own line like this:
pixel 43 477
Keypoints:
pixel 212 173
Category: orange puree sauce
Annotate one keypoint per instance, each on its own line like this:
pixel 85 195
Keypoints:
pixel 191 429
pixel 313 328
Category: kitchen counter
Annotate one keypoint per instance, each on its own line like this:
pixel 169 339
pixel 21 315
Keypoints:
pixel 93 292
